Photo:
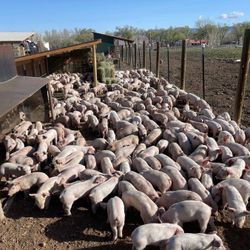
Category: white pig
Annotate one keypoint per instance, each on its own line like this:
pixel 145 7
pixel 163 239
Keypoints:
pixel 236 205
pixel 101 191
pixel 25 182
pixel 116 216
pixel 189 241
pixel 187 211
pixel 77 190
pixel 153 234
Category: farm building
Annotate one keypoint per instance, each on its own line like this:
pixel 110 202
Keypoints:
pixel 21 42
pixel 197 42
pixel 109 42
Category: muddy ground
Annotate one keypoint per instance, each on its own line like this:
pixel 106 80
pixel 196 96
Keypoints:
pixel 27 227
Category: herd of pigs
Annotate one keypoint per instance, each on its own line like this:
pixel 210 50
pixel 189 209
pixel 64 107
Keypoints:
pixel 154 148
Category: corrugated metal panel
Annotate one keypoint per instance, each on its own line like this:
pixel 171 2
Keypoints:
pixel 15 36
pixel 7 67
pixel 15 91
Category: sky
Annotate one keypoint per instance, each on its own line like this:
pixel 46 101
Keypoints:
pixel 106 15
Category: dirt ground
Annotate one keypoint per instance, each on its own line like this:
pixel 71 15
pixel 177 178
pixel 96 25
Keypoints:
pixel 221 79
pixel 27 227
pixel 221 76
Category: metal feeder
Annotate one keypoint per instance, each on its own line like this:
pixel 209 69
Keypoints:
pixel 30 95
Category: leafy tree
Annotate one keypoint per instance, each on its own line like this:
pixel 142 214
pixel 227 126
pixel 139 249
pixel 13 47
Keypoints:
pixel 238 31
pixel 128 32
pixel 83 35
pixel 207 30
pixel 222 32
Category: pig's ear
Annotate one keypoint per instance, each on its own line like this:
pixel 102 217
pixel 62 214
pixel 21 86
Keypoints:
pixel 32 195
pixel 231 209
pixel 216 243
pixel 99 179
pixel 205 162
pixel 229 171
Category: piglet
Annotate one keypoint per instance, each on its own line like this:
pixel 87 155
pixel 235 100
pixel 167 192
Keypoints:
pixel 189 241
pixel 76 190
pixel 187 211
pixel 25 182
pixel 236 205
pixel 43 195
pixel 101 191
pixel 9 170
pixel 116 216
pixel 171 197
pixel 153 234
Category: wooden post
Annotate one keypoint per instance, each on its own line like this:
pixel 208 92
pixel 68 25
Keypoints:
pixel 203 70
pixel 94 65
pixel 131 55
pixel 126 54
pixel 122 55
pixel 127 59
pixel 139 51
pixel 168 59
pixel 144 55
pixel 135 51
pixel 51 103
pixel 33 67
pixel 150 57
pixel 183 63
pixel 46 65
pixel 157 59
pixel 244 66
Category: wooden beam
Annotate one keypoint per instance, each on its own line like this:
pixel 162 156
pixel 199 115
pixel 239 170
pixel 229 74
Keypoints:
pixel 94 66
pixel 58 51
pixel 244 66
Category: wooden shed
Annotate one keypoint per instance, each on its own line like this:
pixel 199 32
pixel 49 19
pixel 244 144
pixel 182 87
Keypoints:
pixel 15 39
pixel 109 42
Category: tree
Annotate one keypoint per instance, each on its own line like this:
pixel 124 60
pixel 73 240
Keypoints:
pixel 207 30
pixel 222 32
pixel 128 32
pixel 59 39
pixel 238 30
pixel 83 35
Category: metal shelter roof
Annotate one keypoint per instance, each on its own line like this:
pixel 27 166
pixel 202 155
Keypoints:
pixel 15 36
pixel 15 89
pixel 115 37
